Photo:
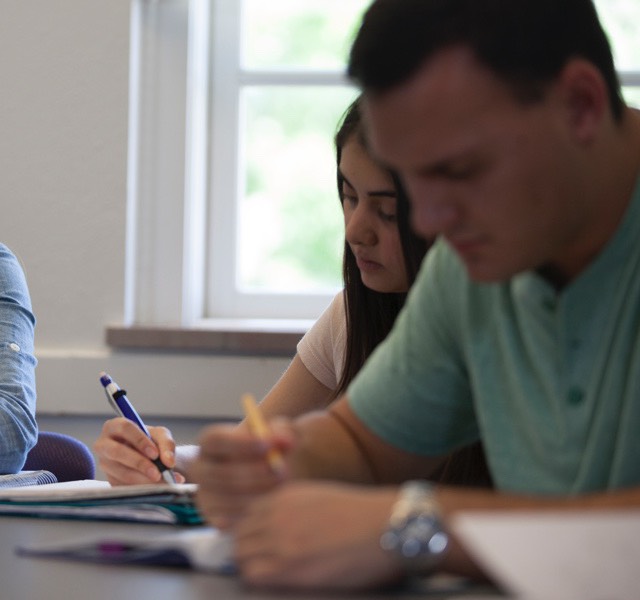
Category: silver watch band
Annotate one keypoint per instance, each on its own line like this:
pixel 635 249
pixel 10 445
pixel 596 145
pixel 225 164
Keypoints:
pixel 415 533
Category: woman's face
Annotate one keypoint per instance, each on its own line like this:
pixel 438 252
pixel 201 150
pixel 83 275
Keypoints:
pixel 369 201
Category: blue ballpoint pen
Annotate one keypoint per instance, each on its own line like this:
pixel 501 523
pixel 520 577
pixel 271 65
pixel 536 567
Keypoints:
pixel 118 399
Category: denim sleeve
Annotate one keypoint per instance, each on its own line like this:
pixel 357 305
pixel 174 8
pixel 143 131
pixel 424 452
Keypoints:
pixel 18 429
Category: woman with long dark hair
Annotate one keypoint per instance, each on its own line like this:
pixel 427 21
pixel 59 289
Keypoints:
pixel 381 259
pixel 370 310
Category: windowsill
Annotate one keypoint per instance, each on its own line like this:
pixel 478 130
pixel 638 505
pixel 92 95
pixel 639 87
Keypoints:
pixel 233 336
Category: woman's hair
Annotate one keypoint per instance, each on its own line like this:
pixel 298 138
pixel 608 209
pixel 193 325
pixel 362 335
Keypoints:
pixel 370 314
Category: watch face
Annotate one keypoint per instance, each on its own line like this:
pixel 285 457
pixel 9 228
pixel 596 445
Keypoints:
pixel 415 532
pixel 422 536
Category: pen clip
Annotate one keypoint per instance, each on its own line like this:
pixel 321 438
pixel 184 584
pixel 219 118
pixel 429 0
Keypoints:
pixel 112 402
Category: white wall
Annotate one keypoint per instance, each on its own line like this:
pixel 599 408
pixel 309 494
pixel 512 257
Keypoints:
pixel 63 144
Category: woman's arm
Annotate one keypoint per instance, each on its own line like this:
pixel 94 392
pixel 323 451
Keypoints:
pixel 295 393
pixel 125 454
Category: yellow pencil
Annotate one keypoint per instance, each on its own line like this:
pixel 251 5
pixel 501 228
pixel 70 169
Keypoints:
pixel 259 428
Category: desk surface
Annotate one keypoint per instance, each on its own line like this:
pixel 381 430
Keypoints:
pixel 28 577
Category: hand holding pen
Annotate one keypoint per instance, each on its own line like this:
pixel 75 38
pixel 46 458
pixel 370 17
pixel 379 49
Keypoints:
pixel 120 403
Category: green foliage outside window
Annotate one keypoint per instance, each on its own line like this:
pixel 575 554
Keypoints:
pixel 291 232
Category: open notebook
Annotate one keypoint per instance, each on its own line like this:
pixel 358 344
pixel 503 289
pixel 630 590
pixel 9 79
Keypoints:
pixel 202 548
pixel 97 500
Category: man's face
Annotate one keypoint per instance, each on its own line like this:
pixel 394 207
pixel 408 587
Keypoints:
pixel 497 179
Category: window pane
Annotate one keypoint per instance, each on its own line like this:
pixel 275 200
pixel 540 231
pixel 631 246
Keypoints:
pixel 290 220
pixel 309 34
pixel 632 96
pixel 621 20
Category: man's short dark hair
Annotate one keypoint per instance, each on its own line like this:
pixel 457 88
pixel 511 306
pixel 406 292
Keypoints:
pixel 526 43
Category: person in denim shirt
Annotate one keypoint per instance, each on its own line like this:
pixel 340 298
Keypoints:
pixel 18 428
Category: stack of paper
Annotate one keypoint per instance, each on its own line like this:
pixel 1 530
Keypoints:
pixel 152 503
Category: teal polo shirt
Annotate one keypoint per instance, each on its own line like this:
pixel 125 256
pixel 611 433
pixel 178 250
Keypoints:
pixel 549 381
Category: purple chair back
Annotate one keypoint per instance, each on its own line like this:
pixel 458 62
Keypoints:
pixel 63 455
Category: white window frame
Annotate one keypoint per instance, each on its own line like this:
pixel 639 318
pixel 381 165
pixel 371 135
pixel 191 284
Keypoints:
pixel 168 221
pixel 162 266
pixel 629 79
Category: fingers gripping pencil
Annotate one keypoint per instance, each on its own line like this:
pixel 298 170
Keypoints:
pixel 260 429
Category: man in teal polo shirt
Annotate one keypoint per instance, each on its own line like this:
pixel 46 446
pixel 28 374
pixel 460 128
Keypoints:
pixel 506 123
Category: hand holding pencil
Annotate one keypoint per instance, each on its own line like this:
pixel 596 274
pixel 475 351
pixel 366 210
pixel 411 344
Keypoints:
pixel 236 465
pixel 259 428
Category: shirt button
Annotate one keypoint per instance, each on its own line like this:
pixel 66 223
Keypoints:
pixel 575 396
pixel 14 347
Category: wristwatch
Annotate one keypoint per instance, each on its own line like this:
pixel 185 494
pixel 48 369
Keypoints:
pixel 415 534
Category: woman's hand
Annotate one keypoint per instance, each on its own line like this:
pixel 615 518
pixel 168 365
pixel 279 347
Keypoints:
pixel 125 453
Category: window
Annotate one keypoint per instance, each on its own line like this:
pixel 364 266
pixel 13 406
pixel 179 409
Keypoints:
pixel 621 20
pixel 248 225
pixel 233 107
pixel 278 92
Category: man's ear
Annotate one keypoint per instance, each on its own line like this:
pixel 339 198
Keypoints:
pixel 584 94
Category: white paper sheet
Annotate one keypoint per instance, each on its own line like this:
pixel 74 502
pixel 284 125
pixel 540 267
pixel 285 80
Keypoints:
pixel 590 555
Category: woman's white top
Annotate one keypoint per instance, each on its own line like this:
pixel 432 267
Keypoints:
pixel 323 347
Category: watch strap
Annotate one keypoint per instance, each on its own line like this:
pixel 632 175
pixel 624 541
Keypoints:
pixel 415 533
